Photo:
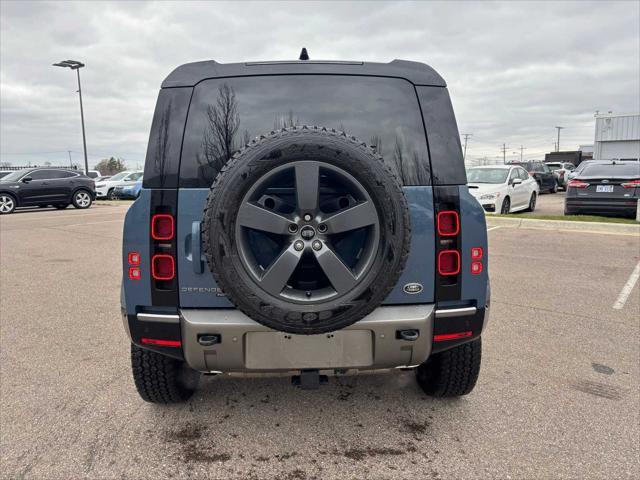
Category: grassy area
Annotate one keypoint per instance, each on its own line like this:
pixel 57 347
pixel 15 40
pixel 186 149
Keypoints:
pixel 572 218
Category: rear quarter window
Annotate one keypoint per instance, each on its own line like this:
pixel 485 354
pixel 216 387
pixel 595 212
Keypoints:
pixel 227 113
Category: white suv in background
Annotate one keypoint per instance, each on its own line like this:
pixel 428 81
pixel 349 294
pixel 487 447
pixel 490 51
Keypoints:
pixel 105 189
pixel 503 188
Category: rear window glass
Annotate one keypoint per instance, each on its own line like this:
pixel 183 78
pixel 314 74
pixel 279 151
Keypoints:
pixel 227 113
pixel 620 169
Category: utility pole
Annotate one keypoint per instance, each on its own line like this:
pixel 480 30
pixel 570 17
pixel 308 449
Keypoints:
pixel 466 137
pixel 521 151
pixel 70 162
pixel 504 154
pixel 558 144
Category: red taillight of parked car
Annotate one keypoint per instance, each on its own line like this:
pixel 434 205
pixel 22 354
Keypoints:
pixel 577 184
pixel 632 184
pixel 448 223
pixel 162 227
pixel 449 262
pixel 162 267
pixel 158 342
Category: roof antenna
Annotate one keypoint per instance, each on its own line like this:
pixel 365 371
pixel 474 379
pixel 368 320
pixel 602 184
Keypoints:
pixel 303 54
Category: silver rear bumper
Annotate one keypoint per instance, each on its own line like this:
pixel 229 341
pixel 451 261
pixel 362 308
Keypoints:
pixel 247 346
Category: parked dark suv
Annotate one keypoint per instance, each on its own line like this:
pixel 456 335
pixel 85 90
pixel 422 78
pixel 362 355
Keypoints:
pixel 305 218
pixel 542 174
pixel 45 186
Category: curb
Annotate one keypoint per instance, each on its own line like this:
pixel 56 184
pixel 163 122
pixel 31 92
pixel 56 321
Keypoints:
pixel 564 225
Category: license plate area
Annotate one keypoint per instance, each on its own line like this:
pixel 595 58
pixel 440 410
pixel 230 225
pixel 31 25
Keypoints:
pixel 604 188
pixel 278 350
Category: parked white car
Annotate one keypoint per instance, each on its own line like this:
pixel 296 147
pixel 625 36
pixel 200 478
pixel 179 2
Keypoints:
pixel 503 188
pixel 105 189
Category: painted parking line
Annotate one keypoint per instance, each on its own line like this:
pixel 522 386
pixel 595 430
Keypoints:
pixel 628 287
pixel 492 228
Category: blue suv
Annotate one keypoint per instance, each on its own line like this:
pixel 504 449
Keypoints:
pixel 308 218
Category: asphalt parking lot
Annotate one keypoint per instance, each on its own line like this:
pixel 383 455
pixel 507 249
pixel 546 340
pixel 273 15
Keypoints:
pixel 558 395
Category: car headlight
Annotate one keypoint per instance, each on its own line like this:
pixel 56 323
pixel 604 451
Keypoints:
pixel 489 196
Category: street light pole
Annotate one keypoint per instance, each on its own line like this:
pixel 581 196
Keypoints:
pixel 558 144
pixel 75 65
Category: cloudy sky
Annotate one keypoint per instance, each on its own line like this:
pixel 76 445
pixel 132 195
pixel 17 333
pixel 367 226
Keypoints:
pixel 515 70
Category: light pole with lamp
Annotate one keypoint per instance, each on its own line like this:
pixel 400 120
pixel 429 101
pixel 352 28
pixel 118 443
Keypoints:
pixel 75 65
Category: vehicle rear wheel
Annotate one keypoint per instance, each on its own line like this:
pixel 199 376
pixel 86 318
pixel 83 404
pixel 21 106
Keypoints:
pixel 161 379
pixel 7 204
pixel 453 372
pixel 555 188
pixel 506 206
pixel 532 202
pixel 306 230
pixel 61 206
pixel 82 199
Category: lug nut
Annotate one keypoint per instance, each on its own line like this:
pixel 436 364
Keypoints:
pixel 307 217
pixel 298 245
pixel 322 228
pixel 316 245
pixel 293 228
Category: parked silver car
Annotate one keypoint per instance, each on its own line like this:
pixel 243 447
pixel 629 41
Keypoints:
pixel 561 170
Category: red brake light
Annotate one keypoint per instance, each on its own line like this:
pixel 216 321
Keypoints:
pixel 161 343
pixel 162 267
pixel 162 227
pixel 632 184
pixel 133 258
pixel 577 184
pixel 448 223
pixel 134 273
pixel 476 253
pixel 449 262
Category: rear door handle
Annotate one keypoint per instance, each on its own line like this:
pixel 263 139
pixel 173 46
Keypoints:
pixel 196 248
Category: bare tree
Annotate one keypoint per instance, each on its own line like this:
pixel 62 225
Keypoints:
pixel 163 144
pixel 223 123
pixel 376 143
pixel 398 156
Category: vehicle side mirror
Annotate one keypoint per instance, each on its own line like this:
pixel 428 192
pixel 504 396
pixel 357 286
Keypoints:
pixel 26 179
pixel 516 181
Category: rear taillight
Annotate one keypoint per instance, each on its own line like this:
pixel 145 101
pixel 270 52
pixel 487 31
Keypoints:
pixel 449 262
pixel 162 227
pixel 632 184
pixel 448 223
pixel 531 174
pixel 162 267
pixel 476 260
pixel 133 258
pixel 577 184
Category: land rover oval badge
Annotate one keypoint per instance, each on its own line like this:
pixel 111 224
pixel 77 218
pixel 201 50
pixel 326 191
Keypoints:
pixel 412 288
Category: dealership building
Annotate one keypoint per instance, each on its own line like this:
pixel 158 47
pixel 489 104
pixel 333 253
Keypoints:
pixel 617 136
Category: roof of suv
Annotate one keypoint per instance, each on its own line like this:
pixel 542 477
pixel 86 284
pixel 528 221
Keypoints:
pixel 190 74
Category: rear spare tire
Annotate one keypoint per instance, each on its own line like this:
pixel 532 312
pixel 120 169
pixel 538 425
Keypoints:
pixel 306 230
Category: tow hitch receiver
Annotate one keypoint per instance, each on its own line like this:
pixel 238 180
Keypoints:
pixel 309 379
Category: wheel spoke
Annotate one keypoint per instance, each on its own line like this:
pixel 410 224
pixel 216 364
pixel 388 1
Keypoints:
pixel 340 276
pixel 362 215
pixel 258 218
pixel 307 186
pixel 279 272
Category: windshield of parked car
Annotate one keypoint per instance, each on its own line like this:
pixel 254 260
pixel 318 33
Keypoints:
pixel 13 176
pixel 119 176
pixel 612 170
pixel 487 175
